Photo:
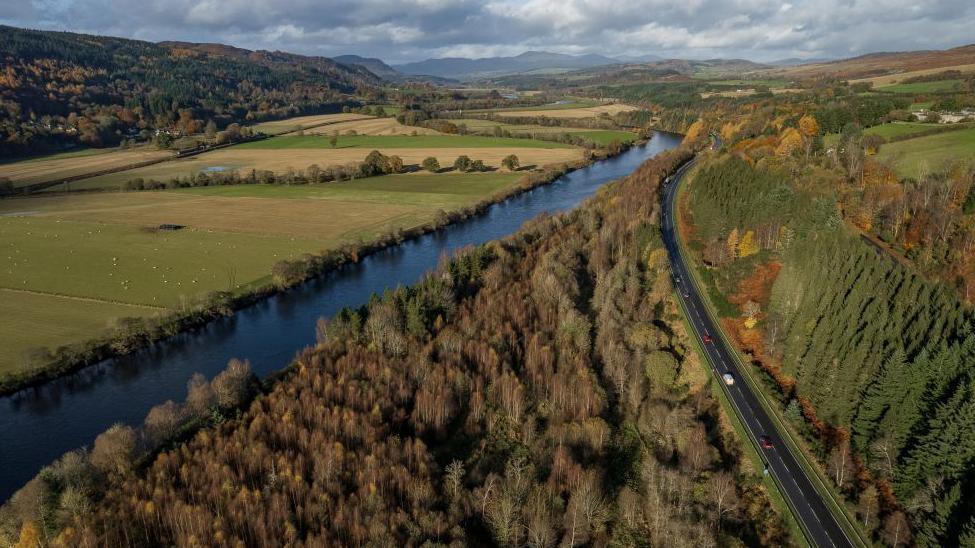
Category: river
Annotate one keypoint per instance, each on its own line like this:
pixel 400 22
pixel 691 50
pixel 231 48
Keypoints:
pixel 40 424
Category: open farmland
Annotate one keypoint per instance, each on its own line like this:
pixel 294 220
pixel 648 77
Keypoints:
pixel 889 79
pixel 598 136
pixel 43 321
pixel 936 86
pixel 72 164
pixel 371 126
pixel 396 141
pixel 894 130
pixel 99 256
pixel 580 112
pixel 909 158
pixel 304 122
pixel 280 161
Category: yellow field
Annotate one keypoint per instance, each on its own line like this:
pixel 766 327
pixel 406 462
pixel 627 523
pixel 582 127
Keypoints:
pixel 886 80
pixel 279 160
pixel 70 165
pixel 586 112
pixel 299 122
pixel 371 126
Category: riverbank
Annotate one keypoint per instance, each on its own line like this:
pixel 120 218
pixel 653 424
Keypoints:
pixel 138 334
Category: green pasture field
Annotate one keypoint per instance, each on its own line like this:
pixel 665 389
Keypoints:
pixel 32 320
pixel 568 104
pixel 442 190
pixel 891 130
pixel 72 265
pixel 599 136
pixel 909 158
pixel 924 87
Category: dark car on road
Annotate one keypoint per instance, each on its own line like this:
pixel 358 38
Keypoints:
pixel 765 442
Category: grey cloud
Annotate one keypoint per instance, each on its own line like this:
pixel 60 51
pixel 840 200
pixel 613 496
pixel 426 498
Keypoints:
pixel 403 30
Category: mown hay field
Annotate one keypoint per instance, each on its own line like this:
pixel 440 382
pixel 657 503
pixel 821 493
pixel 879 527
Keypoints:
pixel 71 164
pixel 301 122
pixel 107 246
pixel 371 126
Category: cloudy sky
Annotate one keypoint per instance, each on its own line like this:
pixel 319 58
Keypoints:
pixel 408 30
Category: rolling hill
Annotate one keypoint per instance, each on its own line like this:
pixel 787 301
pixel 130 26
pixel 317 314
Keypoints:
pixel 466 69
pixel 886 63
pixel 64 89
pixel 373 65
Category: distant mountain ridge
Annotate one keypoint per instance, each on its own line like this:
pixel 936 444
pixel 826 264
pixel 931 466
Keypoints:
pixel 884 63
pixel 464 68
pixel 372 64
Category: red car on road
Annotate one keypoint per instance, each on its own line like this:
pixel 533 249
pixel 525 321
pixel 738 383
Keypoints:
pixel 765 442
pixel 707 339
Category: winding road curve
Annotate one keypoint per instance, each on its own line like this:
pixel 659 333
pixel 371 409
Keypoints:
pixel 820 526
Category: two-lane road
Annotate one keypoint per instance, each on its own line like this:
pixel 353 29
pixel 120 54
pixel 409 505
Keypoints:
pixel 820 525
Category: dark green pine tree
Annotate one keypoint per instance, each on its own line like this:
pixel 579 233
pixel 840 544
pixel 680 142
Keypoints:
pixel 933 528
pixel 946 448
pixel 877 398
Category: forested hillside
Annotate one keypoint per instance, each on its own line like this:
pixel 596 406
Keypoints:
pixel 879 361
pixel 536 391
pixel 60 89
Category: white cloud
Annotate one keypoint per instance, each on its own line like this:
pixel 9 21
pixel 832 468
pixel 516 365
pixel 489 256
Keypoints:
pixel 401 30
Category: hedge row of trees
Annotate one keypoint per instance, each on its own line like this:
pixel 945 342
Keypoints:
pixel 873 362
pixel 375 164
pixel 535 391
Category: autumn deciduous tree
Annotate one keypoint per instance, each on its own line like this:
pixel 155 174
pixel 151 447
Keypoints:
pixel 462 163
pixel 808 126
pixel 510 162
pixel 748 245
pixel 431 164
pixel 790 142
pixel 232 385
pixel 732 243
pixel 115 449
